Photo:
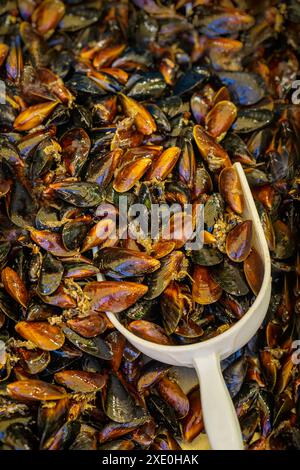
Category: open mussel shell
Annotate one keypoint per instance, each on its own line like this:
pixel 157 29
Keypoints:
pixel 229 277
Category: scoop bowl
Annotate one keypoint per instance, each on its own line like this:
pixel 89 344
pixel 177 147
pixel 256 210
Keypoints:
pixel 220 419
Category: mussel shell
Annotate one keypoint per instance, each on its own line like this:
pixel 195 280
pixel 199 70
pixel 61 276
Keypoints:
pixel 113 430
pixel 213 209
pixel 85 440
pixel 51 274
pixel 188 329
pixel 171 307
pixel 18 436
pixel 171 106
pixel 80 194
pixel 259 141
pixel 151 373
pixel 73 234
pixel 141 310
pixel 50 419
pixel 47 218
pixel 149 331
pixel 237 149
pixel 207 256
pixel 62 359
pixel 172 393
pixel 256 177
pixel 82 84
pixel 22 208
pixel 78 17
pixel 34 362
pixel 45 336
pixel 118 404
pixel 230 278
pixel 245 88
pixel 159 116
pixel 192 423
pixel 150 85
pixel 120 263
pixel 118 444
pixel 75 145
pixel 234 376
pixel 80 381
pixel 238 241
pixel 38 310
pixel 77 270
pixel 284 240
pixel 9 307
pixel 82 117
pixel 64 436
pixel 160 279
pixel 205 289
pixel 164 414
pixel 42 159
pixel 254 271
pixel 94 346
pixel 249 120
pixel 191 79
pixel 223 23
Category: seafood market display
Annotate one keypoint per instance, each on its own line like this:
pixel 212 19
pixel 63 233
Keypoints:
pixel 145 103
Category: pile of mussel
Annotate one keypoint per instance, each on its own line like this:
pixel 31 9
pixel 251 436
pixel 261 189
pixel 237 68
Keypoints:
pixel 153 101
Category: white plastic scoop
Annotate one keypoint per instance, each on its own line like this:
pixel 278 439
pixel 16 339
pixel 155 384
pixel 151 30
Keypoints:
pixel 220 419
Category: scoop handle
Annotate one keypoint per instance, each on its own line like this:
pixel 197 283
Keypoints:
pixel 220 419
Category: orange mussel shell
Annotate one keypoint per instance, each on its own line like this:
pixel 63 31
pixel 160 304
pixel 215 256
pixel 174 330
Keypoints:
pixel 205 290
